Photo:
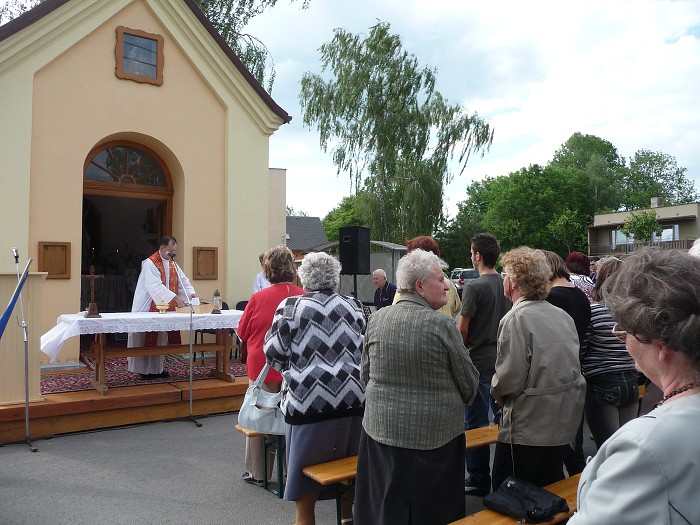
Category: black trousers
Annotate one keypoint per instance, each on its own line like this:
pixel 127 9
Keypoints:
pixel 539 465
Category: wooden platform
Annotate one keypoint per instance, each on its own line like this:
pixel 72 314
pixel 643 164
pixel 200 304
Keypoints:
pixel 88 410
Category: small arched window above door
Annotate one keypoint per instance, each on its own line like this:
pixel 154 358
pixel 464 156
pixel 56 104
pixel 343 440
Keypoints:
pixel 130 167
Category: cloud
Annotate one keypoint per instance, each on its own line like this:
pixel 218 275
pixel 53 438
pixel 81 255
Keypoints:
pixel 625 71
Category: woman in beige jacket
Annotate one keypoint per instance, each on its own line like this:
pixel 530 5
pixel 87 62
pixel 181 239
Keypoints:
pixel 538 381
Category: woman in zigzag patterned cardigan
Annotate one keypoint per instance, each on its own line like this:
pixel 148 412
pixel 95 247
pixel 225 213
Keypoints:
pixel 315 342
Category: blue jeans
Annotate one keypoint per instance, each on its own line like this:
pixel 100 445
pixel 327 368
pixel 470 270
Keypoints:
pixel 476 415
pixel 612 399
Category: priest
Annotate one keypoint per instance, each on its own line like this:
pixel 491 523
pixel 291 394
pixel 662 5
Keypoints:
pixel 159 282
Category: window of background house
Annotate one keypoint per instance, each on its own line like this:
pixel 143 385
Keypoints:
pixel 617 237
pixel 669 233
pixel 139 56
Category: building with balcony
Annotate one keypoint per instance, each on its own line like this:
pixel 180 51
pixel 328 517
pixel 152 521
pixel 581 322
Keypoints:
pixel 680 228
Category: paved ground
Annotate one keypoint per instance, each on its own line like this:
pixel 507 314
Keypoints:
pixel 158 473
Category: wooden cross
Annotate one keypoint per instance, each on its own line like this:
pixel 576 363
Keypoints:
pixel 92 308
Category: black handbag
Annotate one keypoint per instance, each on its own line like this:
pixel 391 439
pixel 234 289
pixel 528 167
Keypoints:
pixel 521 499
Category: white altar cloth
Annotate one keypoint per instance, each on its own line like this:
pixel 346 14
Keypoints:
pixel 70 325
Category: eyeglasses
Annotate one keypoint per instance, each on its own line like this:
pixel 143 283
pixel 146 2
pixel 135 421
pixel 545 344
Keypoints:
pixel 619 333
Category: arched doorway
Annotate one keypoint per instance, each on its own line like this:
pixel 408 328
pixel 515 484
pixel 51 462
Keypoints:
pixel 127 207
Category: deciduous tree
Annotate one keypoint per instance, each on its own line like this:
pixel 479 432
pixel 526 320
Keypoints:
pixel 656 174
pixel 642 225
pixel 347 213
pixel 380 112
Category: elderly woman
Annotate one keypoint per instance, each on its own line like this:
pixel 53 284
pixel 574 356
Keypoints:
pixel 612 381
pixel 649 470
pixel 419 376
pixel 538 380
pixel 278 266
pixel 315 342
pixel 428 244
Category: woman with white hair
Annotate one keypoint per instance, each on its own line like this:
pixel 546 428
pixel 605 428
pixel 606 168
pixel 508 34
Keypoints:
pixel 315 342
pixel 418 377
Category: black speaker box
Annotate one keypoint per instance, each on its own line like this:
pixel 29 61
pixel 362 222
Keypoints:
pixel 354 250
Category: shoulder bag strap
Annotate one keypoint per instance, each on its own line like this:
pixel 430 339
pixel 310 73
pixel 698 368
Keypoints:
pixel 261 377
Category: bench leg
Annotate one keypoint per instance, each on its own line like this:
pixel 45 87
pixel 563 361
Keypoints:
pixel 340 489
pixel 280 466
pixel 268 441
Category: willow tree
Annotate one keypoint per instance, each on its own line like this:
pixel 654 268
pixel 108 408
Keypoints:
pixel 388 126
pixel 230 17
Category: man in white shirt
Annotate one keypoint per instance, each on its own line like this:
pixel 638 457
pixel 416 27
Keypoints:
pixel 159 282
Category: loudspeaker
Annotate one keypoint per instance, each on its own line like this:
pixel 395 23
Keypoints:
pixel 354 250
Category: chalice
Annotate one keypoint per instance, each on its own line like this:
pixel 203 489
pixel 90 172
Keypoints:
pixel 162 307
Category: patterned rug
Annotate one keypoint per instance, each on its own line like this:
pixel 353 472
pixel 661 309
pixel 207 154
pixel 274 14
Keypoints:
pixel 117 374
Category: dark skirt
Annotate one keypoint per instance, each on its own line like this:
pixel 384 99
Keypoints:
pixel 316 443
pixel 401 485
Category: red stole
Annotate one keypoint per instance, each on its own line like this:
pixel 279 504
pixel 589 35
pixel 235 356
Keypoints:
pixel 173 337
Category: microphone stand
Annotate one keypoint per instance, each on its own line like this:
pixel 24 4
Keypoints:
pixel 189 303
pixel 23 324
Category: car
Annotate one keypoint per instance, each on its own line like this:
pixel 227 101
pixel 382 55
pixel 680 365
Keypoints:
pixel 454 275
pixel 460 276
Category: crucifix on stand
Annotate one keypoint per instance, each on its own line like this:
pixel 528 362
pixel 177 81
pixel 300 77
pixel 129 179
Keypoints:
pixel 92 308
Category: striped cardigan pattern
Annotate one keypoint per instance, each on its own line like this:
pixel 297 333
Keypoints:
pixel 604 352
pixel 315 342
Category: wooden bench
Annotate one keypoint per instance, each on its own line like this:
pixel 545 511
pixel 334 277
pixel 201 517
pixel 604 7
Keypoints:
pixel 565 488
pixel 267 441
pixel 342 472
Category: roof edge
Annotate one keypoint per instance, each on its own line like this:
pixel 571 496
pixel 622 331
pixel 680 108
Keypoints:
pixel 236 61
pixel 43 9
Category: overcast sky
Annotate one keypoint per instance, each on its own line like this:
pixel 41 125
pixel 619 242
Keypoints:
pixel 625 71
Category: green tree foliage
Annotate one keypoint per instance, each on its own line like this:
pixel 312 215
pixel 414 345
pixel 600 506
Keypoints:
pixel 455 237
pixel 642 225
pixel 601 165
pixel 230 17
pixel 656 174
pixel 552 207
pixel 347 213
pixel 389 127
pixel 529 206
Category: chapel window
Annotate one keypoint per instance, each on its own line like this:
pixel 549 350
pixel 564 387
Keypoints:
pixel 139 56
pixel 126 165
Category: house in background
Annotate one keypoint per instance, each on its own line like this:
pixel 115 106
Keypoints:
pixel 680 228
pixel 304 234
pixel 122 121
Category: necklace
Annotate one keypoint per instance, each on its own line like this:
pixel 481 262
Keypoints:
pixel 682 389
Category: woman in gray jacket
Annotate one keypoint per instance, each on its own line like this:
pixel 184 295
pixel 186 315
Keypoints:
pixel 419 375
pixel 538 381
pixel 649 470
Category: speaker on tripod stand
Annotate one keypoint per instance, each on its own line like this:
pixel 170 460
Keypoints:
pixel 354 250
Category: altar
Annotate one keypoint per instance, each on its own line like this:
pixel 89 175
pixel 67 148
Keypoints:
pixel 71 325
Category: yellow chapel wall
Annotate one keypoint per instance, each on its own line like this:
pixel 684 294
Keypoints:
pixel 217 156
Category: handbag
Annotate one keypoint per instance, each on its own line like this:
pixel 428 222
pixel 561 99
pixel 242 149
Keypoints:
pixel 521 499
pixel 261 410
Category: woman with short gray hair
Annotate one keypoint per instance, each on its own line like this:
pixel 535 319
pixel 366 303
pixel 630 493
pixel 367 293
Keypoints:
pixel 315 342
pixel 649 470
pixel 418 376
pixel 319 271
